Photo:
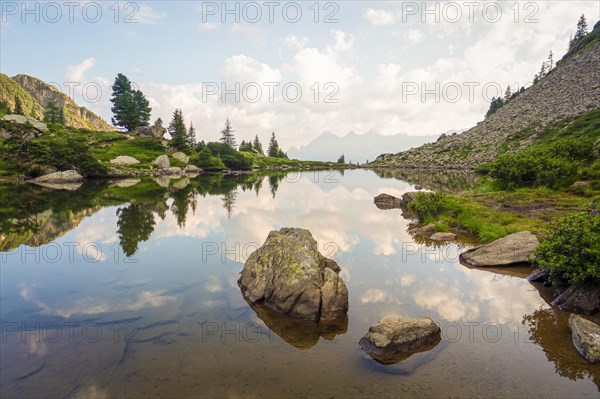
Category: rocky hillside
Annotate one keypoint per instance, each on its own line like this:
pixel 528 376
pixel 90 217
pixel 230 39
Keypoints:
pixel 570 89
pixel 10 90
pixel 36 94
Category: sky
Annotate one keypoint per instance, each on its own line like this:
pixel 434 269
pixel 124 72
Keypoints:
pixel 294 68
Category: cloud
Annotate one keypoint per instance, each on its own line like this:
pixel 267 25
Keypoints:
pixel 297 42
pixel 147 15
pixel 414 36
pixel 76 73
pixel 343 41
pixel 381 17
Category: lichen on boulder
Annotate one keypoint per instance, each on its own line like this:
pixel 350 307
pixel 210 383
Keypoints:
pixel 288 274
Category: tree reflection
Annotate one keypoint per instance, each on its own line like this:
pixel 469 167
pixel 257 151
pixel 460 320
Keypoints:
pixel 543 325
pixel 136 224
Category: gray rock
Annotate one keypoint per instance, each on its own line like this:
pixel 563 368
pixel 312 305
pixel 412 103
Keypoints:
pixel 67 176
pixel 582 298
pixel 180 156
pixel 125 183
pixel 156 132
pixel 407 198
pixel 443 237
pixel 537 276
pixel 162 162
pixel 20 119
pixel 192 169
pixel 393 339
pixel 61 186
pixel 586 337
pixel 288 274
pixel 123 160
pixel 513 249
pixel 424 231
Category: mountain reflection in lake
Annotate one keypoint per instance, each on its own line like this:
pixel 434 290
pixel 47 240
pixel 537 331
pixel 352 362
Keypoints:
pixel 129 289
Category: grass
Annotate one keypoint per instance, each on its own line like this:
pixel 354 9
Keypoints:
pixel 145 150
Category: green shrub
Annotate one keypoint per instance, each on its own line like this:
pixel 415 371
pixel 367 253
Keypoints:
pixel 428 206
pixel 572 251
pixel 205 160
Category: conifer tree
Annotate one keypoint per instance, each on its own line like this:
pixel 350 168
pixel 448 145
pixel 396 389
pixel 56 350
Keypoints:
pixel 130 107
pixel 178 131
pixel 258 146
pixel 191 135
pixel 273 150
pixel 227 135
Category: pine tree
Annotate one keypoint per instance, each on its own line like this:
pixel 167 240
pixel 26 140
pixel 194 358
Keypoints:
pixel 130 107
pixel 550 62
pixel 227 135
pixel 507 93
pixel 18 107
pixel 341 159
pixel 191 135
pixel 178 131
pixel 582 30
pixel 142 108
pixel 54 114
pixel 273 150
pixel 258 146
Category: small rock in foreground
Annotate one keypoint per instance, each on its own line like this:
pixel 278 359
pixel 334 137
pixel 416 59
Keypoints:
pixel 393 339
pixel 586 337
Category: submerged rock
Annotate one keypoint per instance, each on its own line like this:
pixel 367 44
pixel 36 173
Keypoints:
pixel 582 298
pixel 443 237
pixel 289 274
pixel 424 231
pixel 586 337
pixel 393 339
pixel 513 249
pixel 537 276
pixel 386 201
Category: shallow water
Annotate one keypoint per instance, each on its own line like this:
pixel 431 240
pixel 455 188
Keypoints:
pixel 132 292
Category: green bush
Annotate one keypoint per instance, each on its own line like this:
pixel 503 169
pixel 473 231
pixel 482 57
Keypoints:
pixel 205 160
pixel 232 158
pixel 428 206
pixel 572 251
pixel 551 164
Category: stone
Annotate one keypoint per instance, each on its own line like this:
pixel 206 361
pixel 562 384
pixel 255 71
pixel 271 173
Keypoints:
pixel 418 188
pixel 393 339
pixel 288 274
pixel 162 162
pixel 406 199
pixel 67 176
pixel 20 119
pixel 123 160
pixel 156 132
pixel 180 156
pixel 537 276
pixel 513 249
pixel 424 231
pixel 586 337
pixel 581 298
pixel 386 201
pixel 125 183
pixel 443 237
pixel 192 169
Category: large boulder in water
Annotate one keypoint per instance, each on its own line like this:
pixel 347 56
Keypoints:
pixel 67 176
pixel 386 201
pixel 393 339
pixel 289 274
pixel 586 337
pixel 513 249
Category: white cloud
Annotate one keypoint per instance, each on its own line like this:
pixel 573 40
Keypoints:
pixel 414 36
pixel 297 42
pixel 343 41
pixel 381 17
pixel 147 15
pixel 76 73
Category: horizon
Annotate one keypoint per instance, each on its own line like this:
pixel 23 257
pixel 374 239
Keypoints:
pixel 395 84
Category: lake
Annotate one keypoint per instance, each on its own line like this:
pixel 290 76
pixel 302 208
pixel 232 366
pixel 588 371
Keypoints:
pixel 129 289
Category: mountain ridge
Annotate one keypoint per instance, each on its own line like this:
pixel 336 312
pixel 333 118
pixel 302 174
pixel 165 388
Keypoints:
pixel 571 89
pixel 35 95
